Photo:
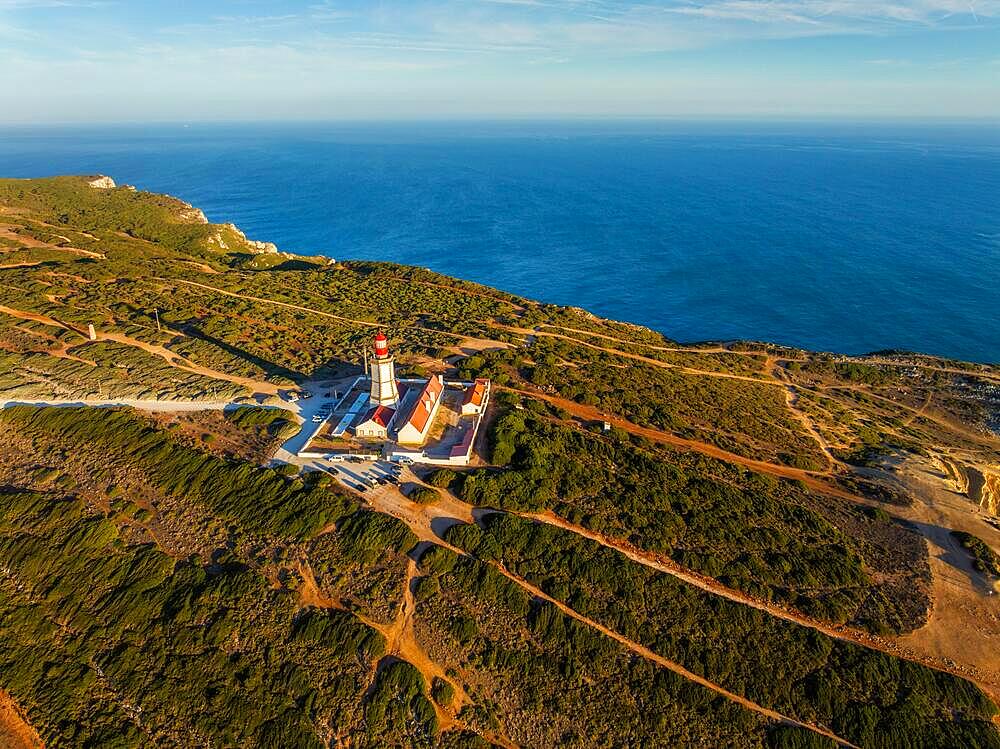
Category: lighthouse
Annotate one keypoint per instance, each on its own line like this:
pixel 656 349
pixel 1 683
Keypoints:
pixel 383 373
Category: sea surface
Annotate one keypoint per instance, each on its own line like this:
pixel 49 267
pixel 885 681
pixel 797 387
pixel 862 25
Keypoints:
pixel 831 236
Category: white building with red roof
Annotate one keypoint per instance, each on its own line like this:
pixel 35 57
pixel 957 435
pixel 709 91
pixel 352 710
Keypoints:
pixel 475 397
pixel 375 424
pixel 416 427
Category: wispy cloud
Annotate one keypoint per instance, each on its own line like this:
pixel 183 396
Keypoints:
pixel 36 4
pixel 549 29
pixel 533 51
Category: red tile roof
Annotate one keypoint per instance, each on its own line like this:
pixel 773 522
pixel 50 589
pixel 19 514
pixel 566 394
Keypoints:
pixel 381 415
pixel 475 394
pixel 425 403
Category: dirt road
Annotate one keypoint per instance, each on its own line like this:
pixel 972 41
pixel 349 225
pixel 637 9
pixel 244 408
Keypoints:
pixel 639 357
pixel 923 412
pixel 31 242
pixel 792 403
pixel 174 360
pixel 400 638
pixel 815 480
pixel 296 307
pixel 659 660
pixel 421 520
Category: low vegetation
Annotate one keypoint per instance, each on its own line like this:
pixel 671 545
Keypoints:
pixel 113 645
pixel 547 685
pixel 767 537
pixel 260 501
pixel 159 585
pixel 984 559
pixel 869 698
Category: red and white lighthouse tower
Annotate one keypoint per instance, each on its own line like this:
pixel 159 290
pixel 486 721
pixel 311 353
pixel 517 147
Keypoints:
pixel 384 390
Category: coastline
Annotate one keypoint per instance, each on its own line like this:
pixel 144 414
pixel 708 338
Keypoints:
pixel 722 235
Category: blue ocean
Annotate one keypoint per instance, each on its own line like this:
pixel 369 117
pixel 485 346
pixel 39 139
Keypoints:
pixel 830 236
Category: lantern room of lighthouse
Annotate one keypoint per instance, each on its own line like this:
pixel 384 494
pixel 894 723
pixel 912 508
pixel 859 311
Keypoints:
pixel 385 391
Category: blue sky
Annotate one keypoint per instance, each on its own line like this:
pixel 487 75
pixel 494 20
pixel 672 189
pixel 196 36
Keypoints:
pixel 187 60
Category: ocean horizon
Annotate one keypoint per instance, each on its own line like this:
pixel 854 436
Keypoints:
pixel 832 236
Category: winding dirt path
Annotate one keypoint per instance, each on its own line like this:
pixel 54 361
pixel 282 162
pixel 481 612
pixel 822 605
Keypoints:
pixel 289 305
pixel 815 480
pixel 174 360
pixel 988 375
pixel 792 403
pixel 639 357
pixel 991 375
pixel 420 517
pixel 644 652
pixel 920 413
pixel 652 346
pixel 401 641
pixel 81 232
pixel 400 637
pixel 37 244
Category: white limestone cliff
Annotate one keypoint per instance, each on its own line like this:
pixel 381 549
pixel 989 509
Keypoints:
pixel 101 182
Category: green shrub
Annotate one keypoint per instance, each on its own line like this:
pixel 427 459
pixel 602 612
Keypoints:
pixel 442 478
pixel 258 499
pixel 984 559
pixel 443 692
pixel 423 495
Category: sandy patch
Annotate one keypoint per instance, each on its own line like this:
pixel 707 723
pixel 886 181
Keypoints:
pixel 963 629
pixel 15 731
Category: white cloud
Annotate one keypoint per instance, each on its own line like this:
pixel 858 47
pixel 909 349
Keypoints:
pixel 544 56
pixel 14 5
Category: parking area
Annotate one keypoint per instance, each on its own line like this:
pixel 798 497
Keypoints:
pixel 365 475
pixel 314 403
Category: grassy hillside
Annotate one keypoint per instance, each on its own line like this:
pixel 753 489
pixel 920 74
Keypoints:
pixel 733 562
